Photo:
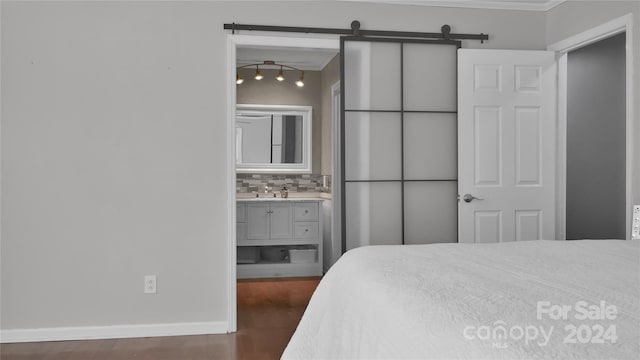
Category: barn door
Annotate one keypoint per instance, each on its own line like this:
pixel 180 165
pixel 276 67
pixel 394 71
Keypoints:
pixel 398 141
pixel 507 141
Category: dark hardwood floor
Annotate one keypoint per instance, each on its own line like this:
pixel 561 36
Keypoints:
pixel 268 313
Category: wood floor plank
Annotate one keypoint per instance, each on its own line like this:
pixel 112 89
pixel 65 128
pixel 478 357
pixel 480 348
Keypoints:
pixel 268 313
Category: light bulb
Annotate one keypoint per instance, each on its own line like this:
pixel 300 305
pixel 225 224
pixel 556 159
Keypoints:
pixel 258 75
pixel 239 80
pixel 280 76
pixel 300 82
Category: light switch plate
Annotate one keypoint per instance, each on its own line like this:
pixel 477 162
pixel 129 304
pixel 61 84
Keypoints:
pixel 635 227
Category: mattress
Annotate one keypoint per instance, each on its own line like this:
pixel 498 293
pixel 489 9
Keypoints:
pixel 520 300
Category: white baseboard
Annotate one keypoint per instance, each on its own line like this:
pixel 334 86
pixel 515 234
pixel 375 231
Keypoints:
pixel 112 332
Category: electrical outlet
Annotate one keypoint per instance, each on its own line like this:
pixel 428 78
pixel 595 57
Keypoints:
pixel 150 284
pixel 635 227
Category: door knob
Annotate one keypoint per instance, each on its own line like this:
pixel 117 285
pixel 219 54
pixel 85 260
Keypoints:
pixel 469 198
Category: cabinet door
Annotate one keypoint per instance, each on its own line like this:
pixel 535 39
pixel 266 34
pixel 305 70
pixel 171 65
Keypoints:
pixel 258 221
pixel 281 221
pixel 241 231
pixel 241 215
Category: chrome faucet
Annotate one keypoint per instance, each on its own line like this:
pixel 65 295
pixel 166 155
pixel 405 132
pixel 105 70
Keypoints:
pixel 267 191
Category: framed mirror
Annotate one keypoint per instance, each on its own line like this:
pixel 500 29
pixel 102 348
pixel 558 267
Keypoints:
pixel 273 139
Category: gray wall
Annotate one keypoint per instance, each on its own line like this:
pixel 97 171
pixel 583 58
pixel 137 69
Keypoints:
pixel 114 150
pixel 596 139
pixel 573 17
pixel 270 91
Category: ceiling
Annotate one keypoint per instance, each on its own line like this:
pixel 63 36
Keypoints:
pixel 533 5
pixel 304 59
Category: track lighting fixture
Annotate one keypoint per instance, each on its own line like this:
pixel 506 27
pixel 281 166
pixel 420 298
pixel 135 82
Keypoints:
pixel 279 77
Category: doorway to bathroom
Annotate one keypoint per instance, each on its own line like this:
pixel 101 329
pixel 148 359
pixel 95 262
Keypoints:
pixel 281 228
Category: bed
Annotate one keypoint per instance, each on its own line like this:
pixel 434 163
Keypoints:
pixel 477 301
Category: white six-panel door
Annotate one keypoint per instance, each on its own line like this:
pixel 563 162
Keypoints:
pixel 506 145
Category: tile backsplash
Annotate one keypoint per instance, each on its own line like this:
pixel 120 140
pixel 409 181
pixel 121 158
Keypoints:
pixel 250 183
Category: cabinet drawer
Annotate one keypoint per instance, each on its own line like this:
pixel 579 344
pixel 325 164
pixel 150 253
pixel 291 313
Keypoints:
pixel 241 213
pixel 241 231
pixel 306 211
pixel 306 230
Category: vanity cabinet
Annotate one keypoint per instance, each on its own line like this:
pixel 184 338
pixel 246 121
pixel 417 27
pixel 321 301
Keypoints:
pixel 269 221
pixel 284 226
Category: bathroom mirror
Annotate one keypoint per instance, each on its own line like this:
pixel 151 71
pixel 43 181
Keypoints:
pixel 273 138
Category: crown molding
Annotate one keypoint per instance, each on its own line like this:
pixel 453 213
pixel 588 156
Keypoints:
pixel 476 4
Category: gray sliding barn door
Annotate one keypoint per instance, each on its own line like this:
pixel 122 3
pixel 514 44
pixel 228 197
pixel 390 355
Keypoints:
pixel 398 141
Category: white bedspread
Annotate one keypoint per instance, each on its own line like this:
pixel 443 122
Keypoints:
pixel 446 301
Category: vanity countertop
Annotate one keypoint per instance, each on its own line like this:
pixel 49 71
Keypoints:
pixel 292 197
pixel 276 199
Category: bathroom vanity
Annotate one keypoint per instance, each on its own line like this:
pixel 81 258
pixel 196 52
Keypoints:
pixel 279 237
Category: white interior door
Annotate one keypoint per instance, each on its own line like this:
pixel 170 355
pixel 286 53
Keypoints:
pixel 506 145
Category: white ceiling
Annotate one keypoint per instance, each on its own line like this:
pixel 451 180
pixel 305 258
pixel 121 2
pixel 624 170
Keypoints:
pixel 304 59
pixel 535 5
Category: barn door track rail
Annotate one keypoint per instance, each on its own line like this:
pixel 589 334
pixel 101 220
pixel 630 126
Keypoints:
pixel 355 30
